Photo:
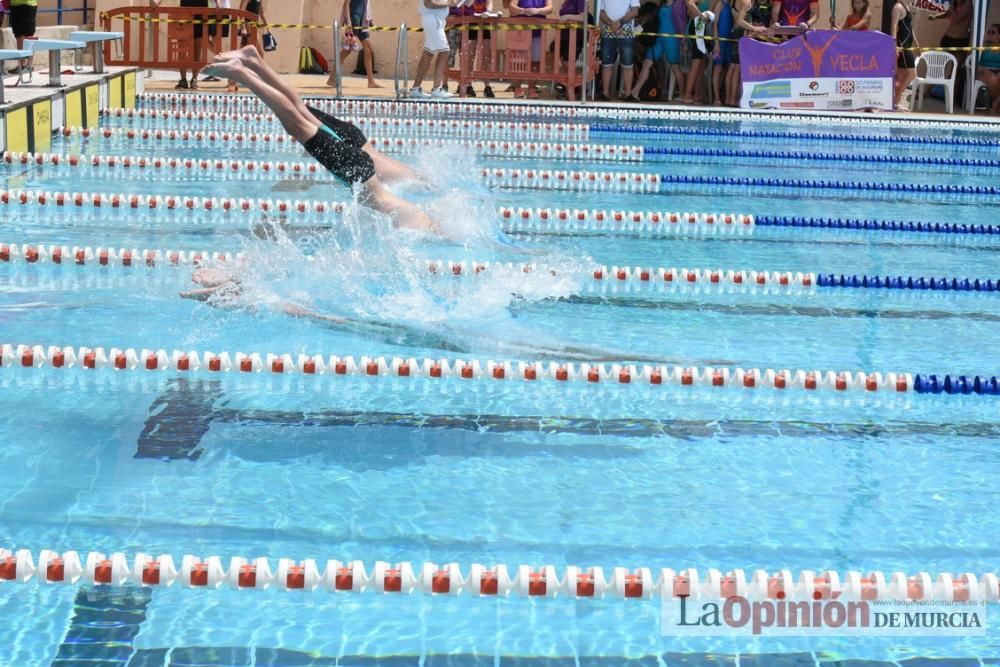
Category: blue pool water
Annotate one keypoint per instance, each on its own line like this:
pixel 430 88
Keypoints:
pixel 413 470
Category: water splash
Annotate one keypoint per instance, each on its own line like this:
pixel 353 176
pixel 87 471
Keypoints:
pixel 374 278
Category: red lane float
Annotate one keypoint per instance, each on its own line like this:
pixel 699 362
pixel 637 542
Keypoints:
pixel 129 359
pixel 484 581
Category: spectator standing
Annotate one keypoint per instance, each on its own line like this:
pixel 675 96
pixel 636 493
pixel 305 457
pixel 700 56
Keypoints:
pixel 433 16
pixel 655 21
pixel 749 18
pixel 956 36
pixel 537 9
pixel 478 37
pixel 860 17
pixel 722 29
pixel 357 16
pixel 198 49
pixel 23 15
pixel 254 7
pixel 617 41
pixel 906 43
pixel 794 13
pixel 698 17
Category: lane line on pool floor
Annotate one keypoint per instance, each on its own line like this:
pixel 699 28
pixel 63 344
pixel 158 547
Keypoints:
pixel 489 581
pixel 506 147
pixel 515 178
pixel 88 256
pixel 213 102
pixel 536 374
pixel 515 218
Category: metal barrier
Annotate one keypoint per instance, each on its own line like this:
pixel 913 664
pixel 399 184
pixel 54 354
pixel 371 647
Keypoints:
pixel 337 60
pixel 189 35
pixel 514 61
pixel 402 61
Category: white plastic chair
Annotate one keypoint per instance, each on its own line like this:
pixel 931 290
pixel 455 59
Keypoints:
pixel 937 74
pixel 972 82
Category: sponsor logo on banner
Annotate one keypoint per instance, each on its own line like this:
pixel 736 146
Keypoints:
pixel 771 90
pixel 853 68
pixel 738 616
pixel 846 103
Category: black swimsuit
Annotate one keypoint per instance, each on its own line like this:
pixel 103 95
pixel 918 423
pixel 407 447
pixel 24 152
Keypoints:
pixel 338 147
pixel 904 40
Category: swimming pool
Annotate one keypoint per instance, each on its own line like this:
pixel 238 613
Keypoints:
pixel 679 414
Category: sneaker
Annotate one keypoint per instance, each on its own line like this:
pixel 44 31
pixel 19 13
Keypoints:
pixel 470 91
pixel 419 94
pixel 601 97
pixel 211 79
pixel 488 92
pixel 441 94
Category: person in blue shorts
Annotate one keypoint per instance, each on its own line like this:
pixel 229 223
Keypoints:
pixel 656 23
pixel 722 28
pixel 615 18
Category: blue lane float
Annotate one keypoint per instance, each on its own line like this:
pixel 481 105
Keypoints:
pixel 810 184
pixel 957 384
pixel 907 283
pixel 824 157
pixel 775 134
pixel 876 225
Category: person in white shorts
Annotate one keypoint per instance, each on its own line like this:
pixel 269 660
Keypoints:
pixel 433 15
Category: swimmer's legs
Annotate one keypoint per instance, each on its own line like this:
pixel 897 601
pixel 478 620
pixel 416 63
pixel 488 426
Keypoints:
pixel 251 59
pixel 294 117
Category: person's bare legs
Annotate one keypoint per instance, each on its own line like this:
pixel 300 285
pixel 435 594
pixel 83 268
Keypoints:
pixel 440 69
pixel 422 66
pixel 904 77
pixel 251 60
pixel 289 109
pixel 647 67
pixel 369 57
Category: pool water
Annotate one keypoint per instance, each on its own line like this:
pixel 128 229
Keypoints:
pixel 408 469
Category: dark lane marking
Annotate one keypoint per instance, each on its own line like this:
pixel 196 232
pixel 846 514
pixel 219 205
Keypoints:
pixel 104 626
pixel 183 414
pixel 776 310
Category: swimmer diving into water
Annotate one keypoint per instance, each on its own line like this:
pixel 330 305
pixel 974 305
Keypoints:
pixel 337 145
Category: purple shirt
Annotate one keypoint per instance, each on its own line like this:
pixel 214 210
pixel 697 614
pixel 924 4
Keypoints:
pixel 573 7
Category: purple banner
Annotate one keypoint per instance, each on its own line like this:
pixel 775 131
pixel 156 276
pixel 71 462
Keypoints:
pixel 822 69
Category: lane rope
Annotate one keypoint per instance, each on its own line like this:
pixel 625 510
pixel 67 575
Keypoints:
pixel 486 581
pixel 538 179
pixel 649 276
pixel 388 145
pixel 534 129
pixel 410 108
pixel 240 363
pixel 512 148
pixel 607 128
pixel 206 210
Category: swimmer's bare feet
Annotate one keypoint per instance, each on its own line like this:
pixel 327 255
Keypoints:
pixel 373 84
pixel 227 69
pixel 248 54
